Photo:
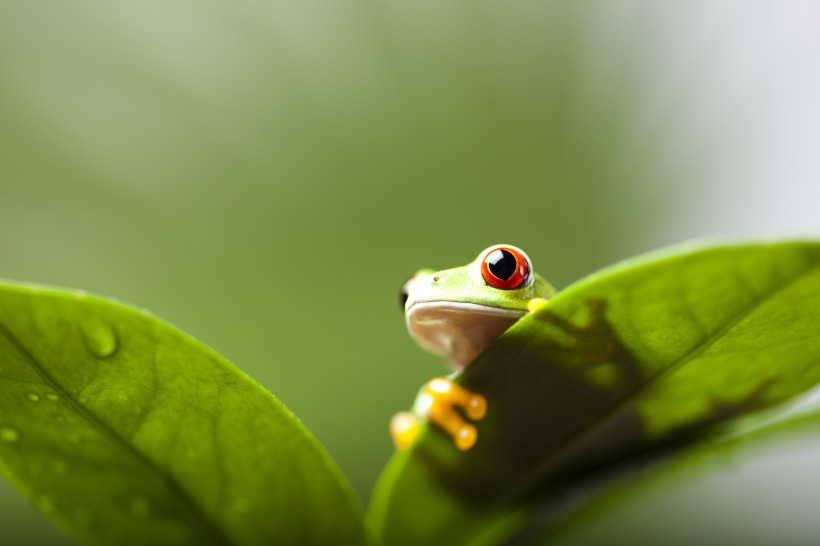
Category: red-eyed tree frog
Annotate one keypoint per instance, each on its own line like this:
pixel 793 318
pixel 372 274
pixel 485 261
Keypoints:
pixel 457 313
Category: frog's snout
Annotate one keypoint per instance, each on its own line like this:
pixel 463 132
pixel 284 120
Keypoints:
pixel 407 287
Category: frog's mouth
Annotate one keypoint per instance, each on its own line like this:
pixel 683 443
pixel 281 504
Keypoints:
pixel 459 331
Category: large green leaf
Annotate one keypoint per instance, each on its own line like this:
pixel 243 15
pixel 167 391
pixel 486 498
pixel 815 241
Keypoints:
pixel 626 360
pixel 123 430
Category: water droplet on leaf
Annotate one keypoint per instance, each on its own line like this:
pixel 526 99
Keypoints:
pixel 99 337
pixel 53 397
pixel 9 435
pixel 34 397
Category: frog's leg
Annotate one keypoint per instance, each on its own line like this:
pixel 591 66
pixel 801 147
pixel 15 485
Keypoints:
pixel 436 403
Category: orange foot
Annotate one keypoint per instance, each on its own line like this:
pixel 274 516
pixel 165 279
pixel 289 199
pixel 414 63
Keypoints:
pixel 436 404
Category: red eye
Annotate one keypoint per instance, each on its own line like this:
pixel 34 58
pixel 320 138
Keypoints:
pixel 505 267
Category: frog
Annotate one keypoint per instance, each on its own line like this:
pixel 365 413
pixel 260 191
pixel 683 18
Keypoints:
pixel 457 313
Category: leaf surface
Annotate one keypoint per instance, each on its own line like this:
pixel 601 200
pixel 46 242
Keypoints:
pixel 124 430
pixel 627 360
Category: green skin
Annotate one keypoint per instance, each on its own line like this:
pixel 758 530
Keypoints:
pixel 447 317
pixel 466 285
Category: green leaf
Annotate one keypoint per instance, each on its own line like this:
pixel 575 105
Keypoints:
pixel 124 430
pixel 626 360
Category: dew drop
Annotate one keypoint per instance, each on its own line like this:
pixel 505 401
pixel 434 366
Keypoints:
pixel 9 435
pixel 140 507
pixel 34 397
pixel 53 397
pixel 99 337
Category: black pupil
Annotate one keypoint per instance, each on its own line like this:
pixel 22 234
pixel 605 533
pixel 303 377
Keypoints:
pixel 502 263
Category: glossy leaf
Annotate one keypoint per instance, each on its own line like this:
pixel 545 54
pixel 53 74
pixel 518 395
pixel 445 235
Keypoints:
pixel 123 430
pixel 627 360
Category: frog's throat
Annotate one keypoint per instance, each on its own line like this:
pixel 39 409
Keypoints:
pixel 459 331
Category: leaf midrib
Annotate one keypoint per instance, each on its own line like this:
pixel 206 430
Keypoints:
pixel 174 486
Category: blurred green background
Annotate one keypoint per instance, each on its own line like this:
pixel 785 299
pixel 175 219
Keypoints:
pixel 265 175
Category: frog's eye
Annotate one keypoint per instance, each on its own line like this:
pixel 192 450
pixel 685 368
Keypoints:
pixel 505 267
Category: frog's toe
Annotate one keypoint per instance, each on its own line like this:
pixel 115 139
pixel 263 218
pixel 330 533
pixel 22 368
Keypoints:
pixel 404 427
pixel 535 304
pixel 476 407
pixel 445 391
pixel 438 402
pixel 466 437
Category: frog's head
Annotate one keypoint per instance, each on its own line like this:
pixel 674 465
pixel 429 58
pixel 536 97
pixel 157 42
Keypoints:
pixel 458 312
